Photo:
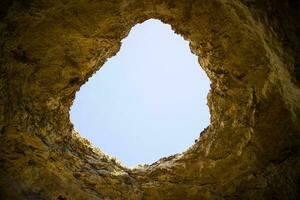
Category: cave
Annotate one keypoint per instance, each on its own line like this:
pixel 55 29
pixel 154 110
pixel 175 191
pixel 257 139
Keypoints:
pixel 248 48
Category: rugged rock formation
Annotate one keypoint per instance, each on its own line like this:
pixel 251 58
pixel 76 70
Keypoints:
pixel 250 51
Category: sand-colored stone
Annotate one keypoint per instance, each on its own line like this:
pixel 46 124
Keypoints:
pixel 250 51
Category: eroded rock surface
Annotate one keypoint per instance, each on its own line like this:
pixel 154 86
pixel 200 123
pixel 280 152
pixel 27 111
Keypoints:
pixel 250 51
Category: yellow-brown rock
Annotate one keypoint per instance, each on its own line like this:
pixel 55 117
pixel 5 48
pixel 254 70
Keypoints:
pixel 250 50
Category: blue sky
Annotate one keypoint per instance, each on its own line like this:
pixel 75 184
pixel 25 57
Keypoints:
pixel 148 101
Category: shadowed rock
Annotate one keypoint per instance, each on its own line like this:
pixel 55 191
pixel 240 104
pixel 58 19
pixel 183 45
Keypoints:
pixel 250 51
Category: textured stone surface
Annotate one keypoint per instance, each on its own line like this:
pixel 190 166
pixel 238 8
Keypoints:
pixel 250 51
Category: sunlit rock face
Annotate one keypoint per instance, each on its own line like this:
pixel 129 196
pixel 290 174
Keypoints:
pixel 250 51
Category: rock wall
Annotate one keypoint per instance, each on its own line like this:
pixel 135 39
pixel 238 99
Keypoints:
pixel 248 48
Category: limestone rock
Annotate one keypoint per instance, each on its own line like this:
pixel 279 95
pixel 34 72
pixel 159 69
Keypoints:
pixel 248 48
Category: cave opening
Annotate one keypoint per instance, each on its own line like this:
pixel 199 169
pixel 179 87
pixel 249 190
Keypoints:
pixel 147 102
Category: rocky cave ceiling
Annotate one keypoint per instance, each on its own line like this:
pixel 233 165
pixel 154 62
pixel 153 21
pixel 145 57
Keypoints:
pixel 248 48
